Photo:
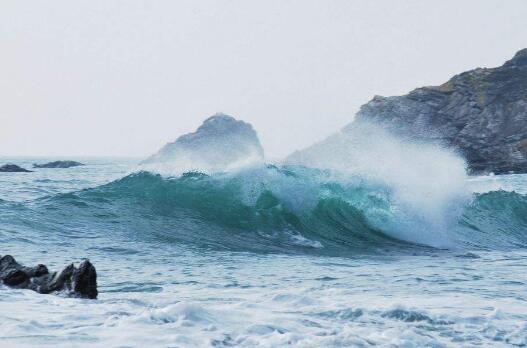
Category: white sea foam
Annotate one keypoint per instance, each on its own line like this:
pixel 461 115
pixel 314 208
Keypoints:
pixel 278 301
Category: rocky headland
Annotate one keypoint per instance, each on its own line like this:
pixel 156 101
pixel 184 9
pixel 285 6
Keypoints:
pixel 481 113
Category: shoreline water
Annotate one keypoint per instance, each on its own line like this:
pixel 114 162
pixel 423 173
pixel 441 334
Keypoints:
pixel 170 278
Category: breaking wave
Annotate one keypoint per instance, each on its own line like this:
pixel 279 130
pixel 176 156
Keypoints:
pixel 291 209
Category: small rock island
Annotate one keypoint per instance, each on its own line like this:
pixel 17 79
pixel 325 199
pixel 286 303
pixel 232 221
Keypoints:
pixel 58 164
pixel 221 141
pixel 13 168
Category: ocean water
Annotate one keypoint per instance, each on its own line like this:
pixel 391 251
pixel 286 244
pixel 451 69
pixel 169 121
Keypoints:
pixel 266 256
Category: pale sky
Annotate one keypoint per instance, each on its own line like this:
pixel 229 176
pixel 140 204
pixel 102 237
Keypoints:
pixel 101 77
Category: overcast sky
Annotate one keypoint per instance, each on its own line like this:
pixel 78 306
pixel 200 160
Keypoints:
pixel 125 77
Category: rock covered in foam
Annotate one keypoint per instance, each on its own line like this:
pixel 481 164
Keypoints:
pixel 219 143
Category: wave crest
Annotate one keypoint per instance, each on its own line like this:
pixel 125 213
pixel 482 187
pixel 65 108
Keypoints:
pixel 295 209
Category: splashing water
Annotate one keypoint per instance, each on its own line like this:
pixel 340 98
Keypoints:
pixel 427 182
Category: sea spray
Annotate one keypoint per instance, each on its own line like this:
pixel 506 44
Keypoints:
pixel 424 184
pixel 427 182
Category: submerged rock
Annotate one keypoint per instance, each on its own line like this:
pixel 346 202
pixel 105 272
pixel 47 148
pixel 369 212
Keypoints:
pixel 77 282
pixel 220 142
pixel 481 113
pixel 58 164
pixel 13 168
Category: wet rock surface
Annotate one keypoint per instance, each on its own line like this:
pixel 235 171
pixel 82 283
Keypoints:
pixel 75 281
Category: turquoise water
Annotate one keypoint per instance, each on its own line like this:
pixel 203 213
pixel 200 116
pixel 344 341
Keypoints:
pixel 267 256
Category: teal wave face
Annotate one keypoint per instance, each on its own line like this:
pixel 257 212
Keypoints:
pixel 278 209
pixel 495 219
pixel 268 209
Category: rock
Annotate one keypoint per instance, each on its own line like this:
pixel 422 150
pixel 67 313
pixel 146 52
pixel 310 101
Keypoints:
pixel 84 280
pixel 13 168
pixel 220 142
pixel 481 113
pixel 77 282
pixel 15 277
pixel 58 164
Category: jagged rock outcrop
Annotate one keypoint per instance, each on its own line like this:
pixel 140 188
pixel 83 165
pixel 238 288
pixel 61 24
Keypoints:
pixel 481 113
pixel 75 281
pixel 221 141
pixel 58 164
pixel 13 168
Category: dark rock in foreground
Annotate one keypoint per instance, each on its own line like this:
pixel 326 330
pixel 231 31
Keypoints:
pixel 58 164
pixel 481 113
pixel 13 168
pixel 77 282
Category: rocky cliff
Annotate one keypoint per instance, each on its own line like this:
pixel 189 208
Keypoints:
pixel 481 113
